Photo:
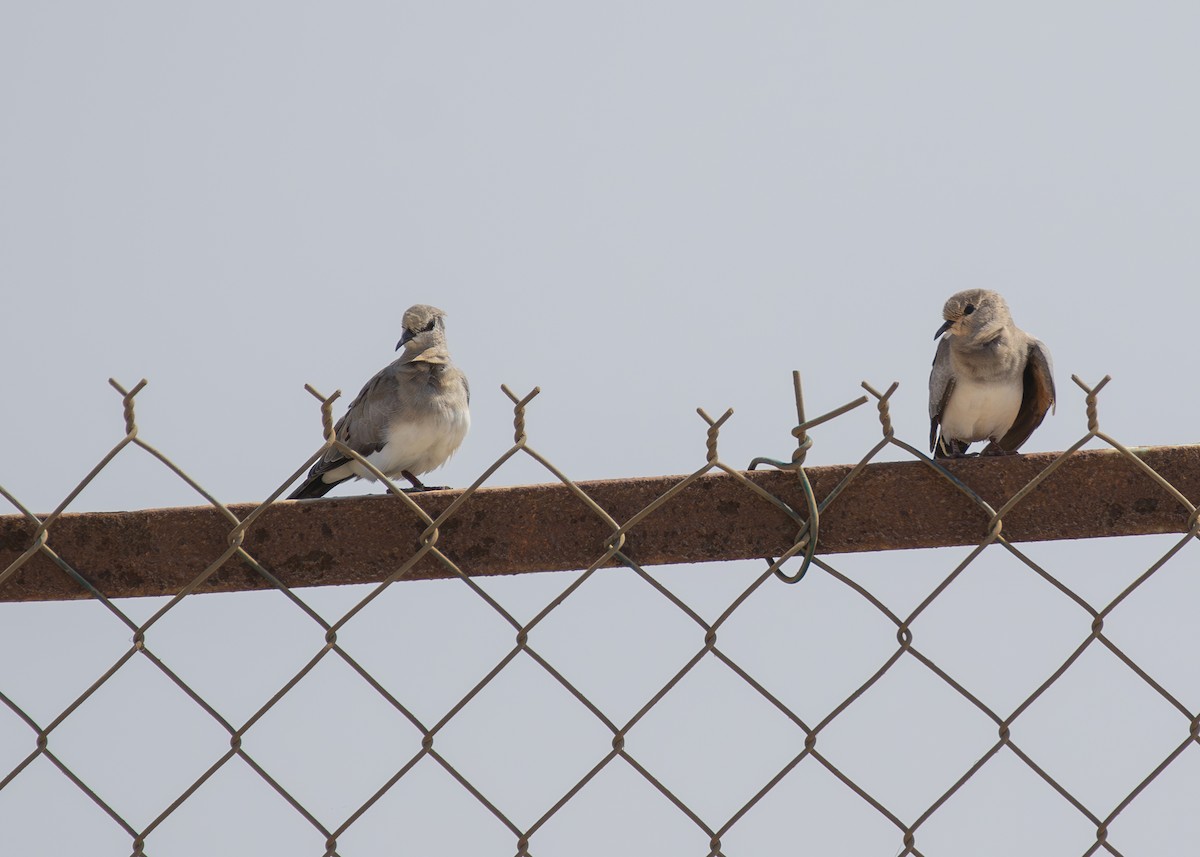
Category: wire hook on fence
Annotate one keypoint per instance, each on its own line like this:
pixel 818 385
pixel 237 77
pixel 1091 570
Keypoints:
pixel 807 533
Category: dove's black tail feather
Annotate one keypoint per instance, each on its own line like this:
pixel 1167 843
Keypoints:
pixel 314 486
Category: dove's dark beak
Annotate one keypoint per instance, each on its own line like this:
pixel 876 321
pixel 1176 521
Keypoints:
pixel 943 329
pixel 408 334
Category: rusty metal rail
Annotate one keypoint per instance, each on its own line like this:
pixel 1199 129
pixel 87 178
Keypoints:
pixel 547 528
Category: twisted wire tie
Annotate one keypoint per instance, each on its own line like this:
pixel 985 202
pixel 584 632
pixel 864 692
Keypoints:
pixel 1091 392
pixel 519 436
pixel 326 410
pixel 127 402
pixel 714 430
pixel 885 414
pixel 803 445
pixel 885 418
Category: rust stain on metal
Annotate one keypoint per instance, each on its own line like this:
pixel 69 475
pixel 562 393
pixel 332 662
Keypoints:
pixel 544 528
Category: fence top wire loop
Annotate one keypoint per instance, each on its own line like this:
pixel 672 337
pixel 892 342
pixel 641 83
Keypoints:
pixel 127 401
pixel 808 534
pixel 519 436
pixel 714 430
pixel 885 414
pixel 806 538
pixel 1093 422
pixel 800 431
pixel 326 411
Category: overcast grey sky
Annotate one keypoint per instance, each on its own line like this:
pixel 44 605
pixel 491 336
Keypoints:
pixel 642 207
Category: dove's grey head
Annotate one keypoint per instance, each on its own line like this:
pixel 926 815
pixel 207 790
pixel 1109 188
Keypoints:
pixel 424 326
pixel 975 315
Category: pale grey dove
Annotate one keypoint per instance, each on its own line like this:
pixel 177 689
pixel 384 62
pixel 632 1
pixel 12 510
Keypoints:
pixel 409 419
pixel 990 381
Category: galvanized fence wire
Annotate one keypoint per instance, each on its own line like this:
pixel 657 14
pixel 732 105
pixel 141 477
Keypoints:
pixel 804 550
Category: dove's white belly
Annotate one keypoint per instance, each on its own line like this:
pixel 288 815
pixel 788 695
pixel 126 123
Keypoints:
pixel 981 411
pixel 419 446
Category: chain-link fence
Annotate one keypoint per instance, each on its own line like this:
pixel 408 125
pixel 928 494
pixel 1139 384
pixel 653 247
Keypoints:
pixel 654 696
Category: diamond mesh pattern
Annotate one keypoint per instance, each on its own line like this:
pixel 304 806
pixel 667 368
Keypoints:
pixel 862 745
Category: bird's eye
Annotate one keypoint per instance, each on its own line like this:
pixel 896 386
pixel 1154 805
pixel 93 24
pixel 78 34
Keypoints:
pixel 429 326
pixel 970 309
